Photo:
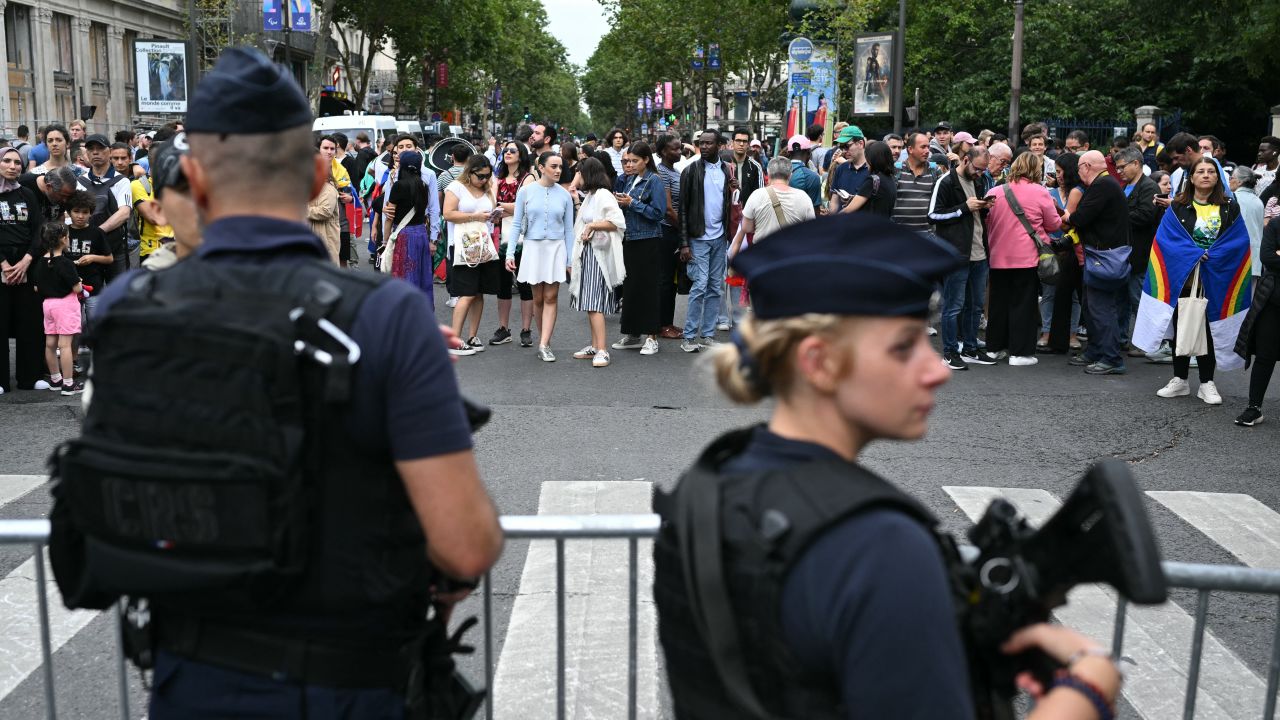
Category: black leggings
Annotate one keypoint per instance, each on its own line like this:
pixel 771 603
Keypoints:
pixel 1259 378
pixel 1205 364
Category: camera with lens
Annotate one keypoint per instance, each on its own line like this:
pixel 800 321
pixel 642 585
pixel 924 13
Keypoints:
pixel 1101 534
pixel 1062 244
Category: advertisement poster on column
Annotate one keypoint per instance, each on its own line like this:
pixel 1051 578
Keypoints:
pixel 873 63
pixel 161 69
pixel 811 87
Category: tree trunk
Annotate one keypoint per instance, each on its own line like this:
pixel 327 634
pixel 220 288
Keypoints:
pixel 320 62
pixel 367 70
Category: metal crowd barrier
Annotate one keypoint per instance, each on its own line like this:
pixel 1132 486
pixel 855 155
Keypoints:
pixel 1205 579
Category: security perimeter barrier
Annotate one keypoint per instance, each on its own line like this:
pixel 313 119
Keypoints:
pixel 1204 579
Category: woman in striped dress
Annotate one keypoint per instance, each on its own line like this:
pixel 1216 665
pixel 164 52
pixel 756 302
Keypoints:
pixel 597 257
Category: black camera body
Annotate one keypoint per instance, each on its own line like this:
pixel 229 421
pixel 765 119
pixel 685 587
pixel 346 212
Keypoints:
pixel 1101 534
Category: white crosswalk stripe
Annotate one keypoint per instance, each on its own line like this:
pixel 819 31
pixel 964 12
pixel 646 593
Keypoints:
pixel 13 487
pixel 596 616
pixel 1157 638
pixel 1239 523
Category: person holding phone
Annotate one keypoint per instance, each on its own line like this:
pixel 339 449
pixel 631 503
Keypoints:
pixel 643 199
pixel 470 199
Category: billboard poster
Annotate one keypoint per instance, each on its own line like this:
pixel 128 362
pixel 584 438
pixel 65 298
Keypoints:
pixel 272 16
pixel 300 15
pixel 666 95
pixel 873 63
pixel 811 88
pixel 161 67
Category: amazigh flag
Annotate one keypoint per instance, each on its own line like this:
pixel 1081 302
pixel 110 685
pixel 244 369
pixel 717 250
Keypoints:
pixel 1226 274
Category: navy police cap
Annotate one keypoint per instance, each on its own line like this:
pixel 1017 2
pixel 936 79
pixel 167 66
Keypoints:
pixel 244 94
pixel 845 264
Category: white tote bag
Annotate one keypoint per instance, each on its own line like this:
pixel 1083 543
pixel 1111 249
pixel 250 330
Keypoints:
pixel 1192 336
pixel 389 250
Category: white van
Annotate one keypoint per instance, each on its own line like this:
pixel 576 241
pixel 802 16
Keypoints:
pixel 377 127
pixel 411 127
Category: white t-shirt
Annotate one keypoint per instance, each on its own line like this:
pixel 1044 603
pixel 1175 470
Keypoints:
pixel 468 203
pixel 795 205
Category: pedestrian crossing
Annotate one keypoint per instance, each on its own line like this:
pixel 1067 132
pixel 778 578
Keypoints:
pixel 1157 640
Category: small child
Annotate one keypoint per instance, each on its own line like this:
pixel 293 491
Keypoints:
pixel 58 283
pixel 88 247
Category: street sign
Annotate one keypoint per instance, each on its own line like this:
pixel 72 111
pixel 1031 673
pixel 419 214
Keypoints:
pixel 644 128
pixel 800 50
pixel 801 78
pixel 713 57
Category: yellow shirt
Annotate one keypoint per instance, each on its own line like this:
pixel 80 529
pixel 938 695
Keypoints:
pixel 1208 223
pixel 151 235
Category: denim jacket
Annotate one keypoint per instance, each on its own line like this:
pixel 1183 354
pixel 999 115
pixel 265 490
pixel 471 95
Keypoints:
pixel 648 205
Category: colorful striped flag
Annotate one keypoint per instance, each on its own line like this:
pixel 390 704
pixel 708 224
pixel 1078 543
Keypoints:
pixel 1226 276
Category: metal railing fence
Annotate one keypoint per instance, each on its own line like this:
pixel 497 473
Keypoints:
pixel 1202 578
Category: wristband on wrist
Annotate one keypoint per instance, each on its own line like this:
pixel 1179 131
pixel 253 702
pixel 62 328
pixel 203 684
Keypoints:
pixel 1089 691
pixel 1079 655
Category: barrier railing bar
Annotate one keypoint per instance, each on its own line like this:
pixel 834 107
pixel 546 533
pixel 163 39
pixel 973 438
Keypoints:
pixel 488 646
pixel 46 649
pixel 1273 672
pixel 1117 635
pixel 1226 578
pixel 526 527
pixel 122 670
pixel 1197 648
pixel 560 660
pixel 632 611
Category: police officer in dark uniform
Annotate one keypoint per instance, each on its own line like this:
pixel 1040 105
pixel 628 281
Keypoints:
pixel 306 594
pixel 791 582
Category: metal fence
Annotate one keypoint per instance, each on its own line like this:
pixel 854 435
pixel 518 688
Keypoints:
pixel 1204 579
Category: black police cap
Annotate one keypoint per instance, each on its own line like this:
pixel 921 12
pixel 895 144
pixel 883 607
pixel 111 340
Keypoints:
pixel 845 264
pixel 244 94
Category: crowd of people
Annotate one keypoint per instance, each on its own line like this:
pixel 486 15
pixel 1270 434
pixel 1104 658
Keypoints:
pixel 628 223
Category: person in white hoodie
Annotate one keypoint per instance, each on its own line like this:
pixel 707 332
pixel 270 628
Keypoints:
pixel 598 267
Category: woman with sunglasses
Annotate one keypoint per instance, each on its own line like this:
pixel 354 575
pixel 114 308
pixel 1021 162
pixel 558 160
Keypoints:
pixel 470 199
pixel 514 172
pixel 544 223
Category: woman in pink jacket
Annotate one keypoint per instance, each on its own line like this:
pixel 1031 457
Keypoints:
pixel 1013 321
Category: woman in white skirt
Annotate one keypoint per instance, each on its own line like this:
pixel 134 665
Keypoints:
pixel 544 222
pixel 598 267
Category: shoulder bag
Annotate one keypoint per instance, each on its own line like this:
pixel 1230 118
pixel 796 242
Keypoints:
pixel 389 249
pixel 1048 262
pixel 1191 339
pixel 1106 268
pixel 473 244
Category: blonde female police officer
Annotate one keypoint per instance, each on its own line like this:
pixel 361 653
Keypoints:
pixel 791 581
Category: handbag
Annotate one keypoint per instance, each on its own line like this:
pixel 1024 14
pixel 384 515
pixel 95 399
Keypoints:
pixel 1192 337
pixel 389 250
pixel 1049 262
pixel 473 245
pixel 1107 269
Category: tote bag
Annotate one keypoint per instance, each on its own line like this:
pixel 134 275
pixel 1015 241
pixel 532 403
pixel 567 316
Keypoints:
pixel 473 245
pixel 389 250
pixel 1192 339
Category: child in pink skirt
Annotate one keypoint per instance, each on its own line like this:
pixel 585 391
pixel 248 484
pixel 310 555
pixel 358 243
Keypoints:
pixel 58 283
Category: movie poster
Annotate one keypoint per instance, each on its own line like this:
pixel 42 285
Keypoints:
pixel 873 63
pixel 811 88
pixel 161 67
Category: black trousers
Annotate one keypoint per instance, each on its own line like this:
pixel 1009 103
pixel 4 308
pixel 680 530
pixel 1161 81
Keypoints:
pixel 1070 283
pixel 344 249
pixel 668 266
pixel 1205 364
pixel 22 318
pixel 1013 316
pixel 640 306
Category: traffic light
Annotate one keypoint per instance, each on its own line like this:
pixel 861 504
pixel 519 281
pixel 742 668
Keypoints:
pixel 527 116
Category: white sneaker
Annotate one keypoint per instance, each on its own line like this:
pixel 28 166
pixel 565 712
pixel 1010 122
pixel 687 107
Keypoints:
pixel 650 347
pixel 1208 392
pixel 601 359
pixel 724 327
pixel 690 346
pixel 545 354
pixel 462 351
pixel 628 342
pixel 1023 360
pixel 1177 387
pixel 585 353
pixel 451 302
pixel 43 385
pixel 932 331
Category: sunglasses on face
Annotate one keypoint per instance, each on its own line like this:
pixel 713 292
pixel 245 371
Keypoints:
pixel 511 150
pixel 485 176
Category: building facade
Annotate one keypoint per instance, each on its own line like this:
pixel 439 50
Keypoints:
pixel 61 55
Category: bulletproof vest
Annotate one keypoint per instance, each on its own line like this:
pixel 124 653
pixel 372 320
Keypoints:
pixel 215 474
pixel 766 520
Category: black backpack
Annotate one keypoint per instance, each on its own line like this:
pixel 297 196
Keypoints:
pixel 193 478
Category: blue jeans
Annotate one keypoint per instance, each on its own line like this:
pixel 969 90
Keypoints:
pixel 1047 294
pixel 706 274
pixel 974 298
pixel 1103 306
pixel 953 296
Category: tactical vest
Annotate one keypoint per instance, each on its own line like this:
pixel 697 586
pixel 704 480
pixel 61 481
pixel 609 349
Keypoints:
pixel 755 530
pixel 215 474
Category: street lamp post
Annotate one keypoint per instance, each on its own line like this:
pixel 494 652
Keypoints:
pixel 898 55
pixel 1015 84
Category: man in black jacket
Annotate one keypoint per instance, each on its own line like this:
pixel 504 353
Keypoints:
pixel 706 193
pixel 1102 219
pixel 1144 218
pixel 955 209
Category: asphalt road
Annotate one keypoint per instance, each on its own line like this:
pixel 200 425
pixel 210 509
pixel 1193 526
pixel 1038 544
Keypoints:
pixel 647 417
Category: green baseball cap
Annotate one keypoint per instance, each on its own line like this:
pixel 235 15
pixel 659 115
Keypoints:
pixel 849 134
